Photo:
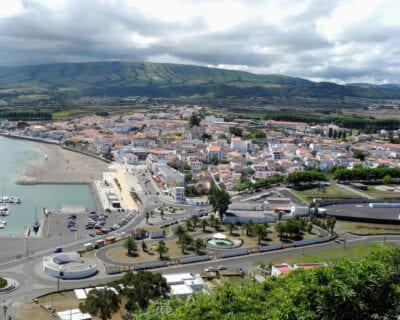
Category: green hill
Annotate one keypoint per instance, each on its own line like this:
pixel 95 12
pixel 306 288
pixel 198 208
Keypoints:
pixel 173 80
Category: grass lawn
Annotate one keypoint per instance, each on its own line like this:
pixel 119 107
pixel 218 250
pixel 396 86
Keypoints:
pixel 332 192
pixel 380 194
pixel 368 228
pixel 330 255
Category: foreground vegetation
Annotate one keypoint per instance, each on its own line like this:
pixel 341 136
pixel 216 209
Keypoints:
pixel 365 288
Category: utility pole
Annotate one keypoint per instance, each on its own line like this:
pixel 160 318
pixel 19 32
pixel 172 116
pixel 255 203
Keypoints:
pixel 4 310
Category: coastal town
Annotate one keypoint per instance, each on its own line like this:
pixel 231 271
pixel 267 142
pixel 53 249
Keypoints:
pixel 199 196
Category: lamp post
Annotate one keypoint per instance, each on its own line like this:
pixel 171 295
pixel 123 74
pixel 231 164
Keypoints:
pixel 4 310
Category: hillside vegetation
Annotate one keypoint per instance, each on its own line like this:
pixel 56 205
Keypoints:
pixel 170 80
pixel 365 288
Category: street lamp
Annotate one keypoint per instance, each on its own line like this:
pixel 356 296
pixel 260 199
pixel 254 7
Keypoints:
pixel 4 310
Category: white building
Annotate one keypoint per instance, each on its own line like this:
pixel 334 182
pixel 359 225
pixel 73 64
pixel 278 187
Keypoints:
pixel 178 194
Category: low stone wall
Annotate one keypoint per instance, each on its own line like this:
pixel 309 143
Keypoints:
pixel 272 246
pixel 234 253
pixel 310 241
pixel 149 265
pixel 326 203
pixel 189 259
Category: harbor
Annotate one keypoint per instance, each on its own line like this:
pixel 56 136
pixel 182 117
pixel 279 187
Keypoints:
pixel 52 184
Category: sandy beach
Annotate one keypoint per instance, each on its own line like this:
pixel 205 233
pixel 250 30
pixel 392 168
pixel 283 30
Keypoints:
pixel 63 166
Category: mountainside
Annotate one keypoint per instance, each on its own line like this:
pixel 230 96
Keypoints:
pixel 172 80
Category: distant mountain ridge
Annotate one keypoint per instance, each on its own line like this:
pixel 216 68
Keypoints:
pixel 172 80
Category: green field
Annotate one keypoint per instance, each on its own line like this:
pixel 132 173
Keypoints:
pixel 331 192
pixel 330 255
pixel 368 228
pixel 379 194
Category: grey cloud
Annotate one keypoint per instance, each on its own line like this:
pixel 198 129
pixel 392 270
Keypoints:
pixel 101 30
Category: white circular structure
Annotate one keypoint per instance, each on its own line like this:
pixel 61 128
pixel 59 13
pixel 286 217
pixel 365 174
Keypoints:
pixel 69 265
pixel 219 236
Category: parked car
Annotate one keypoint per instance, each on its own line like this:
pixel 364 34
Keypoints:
pixel 57 249
pixel 209 269
pixel 221 267
pixel 99 232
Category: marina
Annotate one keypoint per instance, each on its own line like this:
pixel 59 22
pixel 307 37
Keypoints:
pixel 18 202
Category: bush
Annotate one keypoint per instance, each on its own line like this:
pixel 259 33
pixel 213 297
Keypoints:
pixel 3 282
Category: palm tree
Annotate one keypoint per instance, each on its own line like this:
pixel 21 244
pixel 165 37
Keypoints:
pixel 130 244
pixel 162 213
pixel 280 228
pixel 189 225
pixel 184 241
pixel 260 231
pixel 195 220
pixel 199 245
pixel 147 216
pixel 249 228
pixel 161 248
pixel 204 224
pixel 231 227
pixel 144 246
pixel 180 230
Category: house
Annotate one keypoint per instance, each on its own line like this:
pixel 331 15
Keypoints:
pixel 184 284
pixel 280 269
pixel 178 194
pixel 214 151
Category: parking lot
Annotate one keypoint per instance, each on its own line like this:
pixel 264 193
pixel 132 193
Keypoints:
pixel 71 227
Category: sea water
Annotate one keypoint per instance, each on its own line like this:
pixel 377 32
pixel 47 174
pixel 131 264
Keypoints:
pixel 16 157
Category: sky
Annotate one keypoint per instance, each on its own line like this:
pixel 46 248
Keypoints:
pixel 322 40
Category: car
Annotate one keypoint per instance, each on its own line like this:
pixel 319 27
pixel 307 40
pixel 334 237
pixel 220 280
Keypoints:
pixel 57 249
pixel 240 270
pixel 92 234
pixel 221 267
pixel 99 232
pixel 73 228
pixel 116 226
pixel 105 230
pixel 209 269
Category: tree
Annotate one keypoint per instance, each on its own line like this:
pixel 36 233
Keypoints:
pixel 180 230
pixel 184 241
pixel 161 249
pixel 220 200
pixel 130 245
pixel 280 228
pixel 147 216
pixel 162 213
pixel 144 246
pixel 188 177
pixel 260 231
pixel 330 224
pixel 194 120
pixel 330 132
pixel 204 224
pixel 101 303
pixel 387 180
pixel 195 220
pixel 141 288
pixel 358 154
pixel 231 227
pixel 214 159
pixel 189 225
pixel 199 245
pixel 237 131
pixel 249 225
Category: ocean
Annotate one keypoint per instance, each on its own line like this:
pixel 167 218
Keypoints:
pixel 16 157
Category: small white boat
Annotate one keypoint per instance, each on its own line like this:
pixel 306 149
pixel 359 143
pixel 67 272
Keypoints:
pixel 2 225
pixel 4 211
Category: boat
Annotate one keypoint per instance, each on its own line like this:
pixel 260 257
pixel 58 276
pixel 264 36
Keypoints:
pixel 2 225
pixel 8 199
pixel 4 211
pixel 36 224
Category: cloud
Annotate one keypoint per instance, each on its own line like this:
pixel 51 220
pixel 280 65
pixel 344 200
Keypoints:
pixel 336 40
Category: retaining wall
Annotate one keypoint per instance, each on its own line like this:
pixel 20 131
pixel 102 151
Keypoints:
pixel 310 241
